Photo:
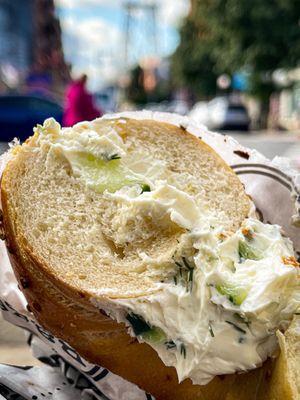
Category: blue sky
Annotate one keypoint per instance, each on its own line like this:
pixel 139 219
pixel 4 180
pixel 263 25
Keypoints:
pixel 94 35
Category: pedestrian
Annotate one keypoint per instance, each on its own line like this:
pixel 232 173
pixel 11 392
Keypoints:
pixel 79 104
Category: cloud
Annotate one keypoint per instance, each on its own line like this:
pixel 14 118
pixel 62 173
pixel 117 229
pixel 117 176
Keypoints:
pixel 92 45
pixel 73 4
pixel 92 31
pixel 171 12
pixel 93 34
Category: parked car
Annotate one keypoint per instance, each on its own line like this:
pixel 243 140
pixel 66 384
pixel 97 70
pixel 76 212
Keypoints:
pixel 20 113
pixel 173 106
pixel 221 113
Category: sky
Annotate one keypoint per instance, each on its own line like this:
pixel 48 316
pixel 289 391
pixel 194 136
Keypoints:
pixel 94 34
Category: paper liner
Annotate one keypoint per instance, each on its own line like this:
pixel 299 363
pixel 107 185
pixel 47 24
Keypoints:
pixel 275 189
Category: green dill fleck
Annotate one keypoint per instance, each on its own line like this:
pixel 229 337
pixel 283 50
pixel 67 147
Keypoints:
pixel 187 265
pixel 211 330
pixel 170 345
pixel 242 319
pixel 178 264
pixel 145 188
pixel 139 325
pixel 236 327
pixel 185 274
pixel 190 280
pixel 248 252
pixel 183 350
pixel 114 156
pixel 297 313
pixel 191 274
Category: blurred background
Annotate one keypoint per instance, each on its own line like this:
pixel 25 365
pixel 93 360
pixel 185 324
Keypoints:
pixel 233 65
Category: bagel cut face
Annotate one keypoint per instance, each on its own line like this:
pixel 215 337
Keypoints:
pixel 58 204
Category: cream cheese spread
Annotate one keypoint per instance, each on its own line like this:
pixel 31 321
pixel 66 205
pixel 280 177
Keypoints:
pixel 98 156
pixel 222 297
pixel 221 312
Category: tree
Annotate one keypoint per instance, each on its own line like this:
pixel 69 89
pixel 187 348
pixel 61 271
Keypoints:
pixel 257 36
pixel 193 64
pixel 263 35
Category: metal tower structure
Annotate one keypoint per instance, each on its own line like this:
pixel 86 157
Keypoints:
pixel 140 26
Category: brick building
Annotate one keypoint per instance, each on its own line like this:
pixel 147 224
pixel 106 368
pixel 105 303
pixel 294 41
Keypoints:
pixel 30 43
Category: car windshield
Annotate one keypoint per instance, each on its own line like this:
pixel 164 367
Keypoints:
pixel 239 107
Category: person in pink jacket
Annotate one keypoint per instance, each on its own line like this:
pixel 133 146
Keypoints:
pixel 79 104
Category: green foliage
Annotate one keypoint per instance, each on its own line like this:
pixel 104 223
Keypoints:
pixel 230 35
pixel 261 34
pixel 193 64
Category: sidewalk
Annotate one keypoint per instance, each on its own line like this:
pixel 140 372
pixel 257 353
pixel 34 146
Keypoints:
pixel 13 347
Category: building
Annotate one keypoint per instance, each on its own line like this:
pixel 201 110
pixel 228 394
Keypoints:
pixel 30 46
pixel 289 102
pixel 16 33
pixel 47 44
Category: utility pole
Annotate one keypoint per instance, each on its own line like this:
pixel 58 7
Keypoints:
pixel 146 11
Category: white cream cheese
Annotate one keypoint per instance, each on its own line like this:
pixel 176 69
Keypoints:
pixel 77 140
pixel 98 157
pixel 221 315
pixel 222 298
pixel 226 321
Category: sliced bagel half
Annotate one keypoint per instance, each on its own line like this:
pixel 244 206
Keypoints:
pixel 85 242
pixel 70 242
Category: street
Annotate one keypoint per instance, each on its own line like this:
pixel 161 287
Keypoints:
pixel 272 144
